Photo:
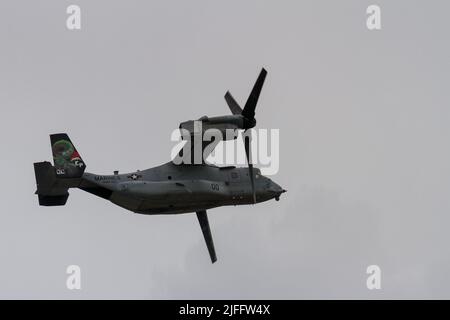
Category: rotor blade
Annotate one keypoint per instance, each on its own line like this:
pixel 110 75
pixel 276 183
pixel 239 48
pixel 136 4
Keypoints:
pixel 248 153
pixel 232 104
pixel 250 105
pixel 250 172
pixel 204 224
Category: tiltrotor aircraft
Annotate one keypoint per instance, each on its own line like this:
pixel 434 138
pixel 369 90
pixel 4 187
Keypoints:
pixel 170 188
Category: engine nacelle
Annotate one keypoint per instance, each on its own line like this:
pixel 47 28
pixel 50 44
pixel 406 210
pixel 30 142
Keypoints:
pixel 227 125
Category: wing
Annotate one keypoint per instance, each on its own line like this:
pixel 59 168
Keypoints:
pixel 197 147
pixel 197 150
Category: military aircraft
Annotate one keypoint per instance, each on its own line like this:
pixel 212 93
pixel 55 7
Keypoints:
pixel 170 188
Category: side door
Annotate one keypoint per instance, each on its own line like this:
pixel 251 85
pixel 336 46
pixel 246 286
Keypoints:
pixel 236 187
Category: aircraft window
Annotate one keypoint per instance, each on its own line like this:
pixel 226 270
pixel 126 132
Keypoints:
pixel 169 177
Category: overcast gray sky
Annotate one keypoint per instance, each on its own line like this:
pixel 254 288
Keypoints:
pixel 364 127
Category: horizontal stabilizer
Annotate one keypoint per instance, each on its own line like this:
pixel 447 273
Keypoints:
pixel 45 177
pixel 50 192
pixel 53 200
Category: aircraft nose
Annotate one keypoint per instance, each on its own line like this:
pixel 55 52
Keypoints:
pixel 276 190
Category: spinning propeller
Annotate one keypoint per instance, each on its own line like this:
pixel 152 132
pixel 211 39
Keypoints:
pixel 248 114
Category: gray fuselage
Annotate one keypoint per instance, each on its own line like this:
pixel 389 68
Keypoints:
pixel 172 189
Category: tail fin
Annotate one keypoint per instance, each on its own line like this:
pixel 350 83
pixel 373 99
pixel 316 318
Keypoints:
pixel 53 182
pixel 66 159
